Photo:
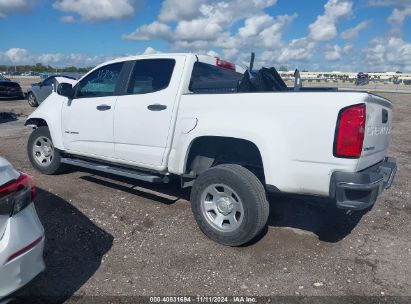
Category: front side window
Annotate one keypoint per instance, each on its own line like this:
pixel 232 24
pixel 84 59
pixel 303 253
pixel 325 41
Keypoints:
pixel 150 75
pixel 101 82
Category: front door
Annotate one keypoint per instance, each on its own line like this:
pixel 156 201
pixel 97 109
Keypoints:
pixel 87 119
pixel 143 115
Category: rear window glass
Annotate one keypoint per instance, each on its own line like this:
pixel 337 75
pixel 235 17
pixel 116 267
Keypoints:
pixel 203 72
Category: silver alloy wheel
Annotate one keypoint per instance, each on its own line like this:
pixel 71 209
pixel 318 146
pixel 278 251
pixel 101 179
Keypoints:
pixel 222 207
pixel 43 151
pixel 32 99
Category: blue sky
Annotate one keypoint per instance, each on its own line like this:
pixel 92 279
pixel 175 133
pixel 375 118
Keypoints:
pixel 329 35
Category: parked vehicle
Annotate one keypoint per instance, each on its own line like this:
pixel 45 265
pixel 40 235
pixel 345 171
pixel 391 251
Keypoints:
pixel 9 89
pixel 40 91
pixel 362 79
pixel 232 137
pixel 21 233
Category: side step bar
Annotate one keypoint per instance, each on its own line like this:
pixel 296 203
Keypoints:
pixel 139 175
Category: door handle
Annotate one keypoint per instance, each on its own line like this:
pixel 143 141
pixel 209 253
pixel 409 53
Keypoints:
pixel 103 107
pixel 156 107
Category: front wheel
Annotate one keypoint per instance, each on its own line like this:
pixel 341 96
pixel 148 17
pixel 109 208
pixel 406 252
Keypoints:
pixel 229 204
pixel 32 100
pixel 42 154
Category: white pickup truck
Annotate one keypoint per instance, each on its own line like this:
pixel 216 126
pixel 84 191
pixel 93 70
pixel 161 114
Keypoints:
pixel 157 117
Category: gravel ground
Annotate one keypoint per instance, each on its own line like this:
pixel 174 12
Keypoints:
pixel 110 236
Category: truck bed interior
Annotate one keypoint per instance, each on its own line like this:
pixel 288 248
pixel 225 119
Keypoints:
pixel 208 79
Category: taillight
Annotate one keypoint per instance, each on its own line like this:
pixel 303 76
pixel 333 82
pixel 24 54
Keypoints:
pixel 17 195
pixel 350 130
pixel 225 64
pixel 24 250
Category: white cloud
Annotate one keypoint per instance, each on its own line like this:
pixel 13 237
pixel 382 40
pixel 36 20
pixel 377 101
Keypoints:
pixel 352 33
pixel 335 52
pixel 213 53
pixel 402 9
pixel 271 36
pixel 325 27
pixel 190 30
pixel 16 56
pixel 9 6
pixel 301 49
pixel 298 49
pixel 97 10
pixel 390 53
pixel 201 22
pixel 388 2
pixel 68 19
pixel 398 15
pixel 72 59
pixel 254 25
pixel 172 10
pixel 149 50
pixel 150 31
pixel 19 56
pixel 230 54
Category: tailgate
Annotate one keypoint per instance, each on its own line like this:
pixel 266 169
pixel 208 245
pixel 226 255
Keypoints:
pixel 377 131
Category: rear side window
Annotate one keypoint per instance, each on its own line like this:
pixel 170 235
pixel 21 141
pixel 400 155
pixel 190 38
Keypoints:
pixel 206 72
pixel 150 75
pixel 101 82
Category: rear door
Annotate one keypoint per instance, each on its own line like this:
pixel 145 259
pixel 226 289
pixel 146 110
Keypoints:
pixel 87 119
pixel 143 115
pixel 377 131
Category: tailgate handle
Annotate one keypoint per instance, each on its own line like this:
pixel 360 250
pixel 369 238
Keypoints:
pixel 384 116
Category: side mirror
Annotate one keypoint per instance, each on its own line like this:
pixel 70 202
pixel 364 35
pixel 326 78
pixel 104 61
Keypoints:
pixel 65 89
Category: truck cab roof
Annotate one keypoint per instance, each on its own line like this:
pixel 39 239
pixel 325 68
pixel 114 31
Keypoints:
pixel 194 57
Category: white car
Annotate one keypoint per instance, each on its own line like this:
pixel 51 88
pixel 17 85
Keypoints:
pixel 21 232
pixel 230 136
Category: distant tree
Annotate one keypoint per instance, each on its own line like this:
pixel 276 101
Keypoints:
pixel 40 68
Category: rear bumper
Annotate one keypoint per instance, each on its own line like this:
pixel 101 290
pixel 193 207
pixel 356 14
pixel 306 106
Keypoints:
pixel 359 190
pixel 22 230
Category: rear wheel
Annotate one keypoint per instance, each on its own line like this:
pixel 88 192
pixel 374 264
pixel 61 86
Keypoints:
pixel 32 100
pixel 42 153
pixel 229 204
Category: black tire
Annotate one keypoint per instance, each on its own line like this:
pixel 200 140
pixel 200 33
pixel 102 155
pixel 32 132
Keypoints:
pixel 55 166
pixel 250 191
pixel 32 100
